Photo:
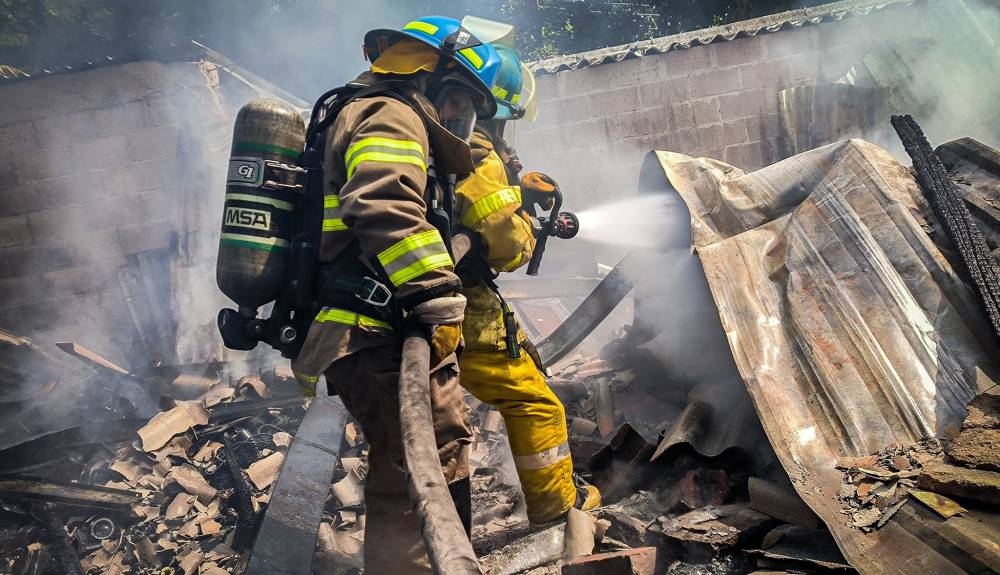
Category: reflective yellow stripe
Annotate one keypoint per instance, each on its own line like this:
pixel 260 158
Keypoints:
pixel 515 98
pixel 332 221
pixel 475 59
pixel 335 315
pixel 414 256
pixel 543 459
pixel 491 204
pixel 305 378
pixel 500 92
pixel 422 26
pixel 334 225
pixel 384 150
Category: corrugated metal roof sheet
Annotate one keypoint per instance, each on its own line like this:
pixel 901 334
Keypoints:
pixel 850 330
pixel 763 25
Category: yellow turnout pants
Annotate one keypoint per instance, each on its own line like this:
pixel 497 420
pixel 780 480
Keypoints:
pixel 535 418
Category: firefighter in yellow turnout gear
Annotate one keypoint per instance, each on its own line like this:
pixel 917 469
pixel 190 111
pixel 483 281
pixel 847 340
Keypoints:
pixel 489 204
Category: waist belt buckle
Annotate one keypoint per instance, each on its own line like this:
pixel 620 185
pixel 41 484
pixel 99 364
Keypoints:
pixel 375 293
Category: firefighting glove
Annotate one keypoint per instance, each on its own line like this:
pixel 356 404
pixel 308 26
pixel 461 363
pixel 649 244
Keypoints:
pixel 541 188
pixel 443 315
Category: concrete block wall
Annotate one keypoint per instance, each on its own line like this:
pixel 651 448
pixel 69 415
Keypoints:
pixel 718 100
pixel 89 170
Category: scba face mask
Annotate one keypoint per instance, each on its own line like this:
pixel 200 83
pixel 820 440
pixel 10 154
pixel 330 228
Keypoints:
pixel 456 108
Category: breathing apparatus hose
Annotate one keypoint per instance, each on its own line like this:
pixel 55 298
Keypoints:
pixel 448 545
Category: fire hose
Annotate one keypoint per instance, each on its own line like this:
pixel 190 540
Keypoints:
pixel 448 545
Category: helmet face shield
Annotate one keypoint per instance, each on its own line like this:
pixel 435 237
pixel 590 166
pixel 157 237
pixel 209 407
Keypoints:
pixel 456 108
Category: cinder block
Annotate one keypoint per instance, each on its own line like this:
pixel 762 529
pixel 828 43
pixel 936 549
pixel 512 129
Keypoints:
pixel 807 66
pixel 52 162
pixel 598 131
pixel 100 153
pixel 747 157
pixel 664 93
pixel 706 111
pixel 678 63
pixel 37 258
pixel 546 87
pixel 709 137
pixel 144 237
pixel 763 127
pixel 643 122
pixel 14 231
pixel 20 291
pixel 11 320
pixel 788 42
pixel 737 52
pixel 136 177
pixel 641 561
pixel 682 116
pixel 94 277
pixel 9 178
pixel 614 101
pixel 734 132
pixel 124 118
pixel 767 74
pixel 153 143
pixel 87 248
pixel 59 130
pixel 24 199
pixel 81 187
pixel 715 82
pixel 17 138
pixel 568 110
pixel 758 102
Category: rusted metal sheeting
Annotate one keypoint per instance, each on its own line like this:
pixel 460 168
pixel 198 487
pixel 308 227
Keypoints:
pixel 849 328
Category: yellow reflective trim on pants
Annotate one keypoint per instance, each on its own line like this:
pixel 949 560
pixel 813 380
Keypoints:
pixel 422 27
pixel 414 256
pixel 491 204
pixel 542 459
pixel 343 316
pixel 332 221
pixel 377 149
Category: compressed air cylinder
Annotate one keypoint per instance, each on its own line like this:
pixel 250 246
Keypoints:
pixel 259 216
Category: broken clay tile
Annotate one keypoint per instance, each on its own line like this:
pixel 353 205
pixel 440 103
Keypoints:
pixel 210 527
pixel 264 471
pixel 207 452
pixel 349 491
pixel 179 507
pixel 220 553
pixel 640 561
pixel 192 481
pixel 210 568
pixel 130 469
pixel 165 425
pixel 145 551
pixel 221 392
pixel 351 434
pixel 255 383
pixel 189 563
pixel 866 517
pixel 167 544
pixel 189 529
pixel 282 439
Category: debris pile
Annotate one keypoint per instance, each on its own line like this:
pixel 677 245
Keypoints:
pixel 876 486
